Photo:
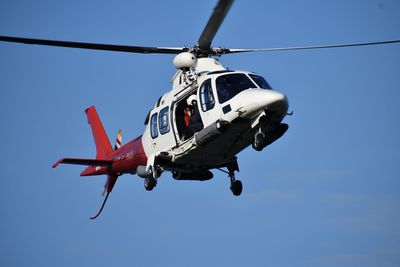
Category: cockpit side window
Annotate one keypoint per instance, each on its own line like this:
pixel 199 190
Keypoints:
pixel 163 120
pixel 153 126
pixel 260 81
pixel 230 85
pixel 207 100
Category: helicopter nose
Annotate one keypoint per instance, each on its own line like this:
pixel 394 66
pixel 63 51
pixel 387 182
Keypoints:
pixel 255 101
pixel 276 102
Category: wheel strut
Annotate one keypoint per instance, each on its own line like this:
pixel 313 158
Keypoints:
pixel 259 137
pixel 236 185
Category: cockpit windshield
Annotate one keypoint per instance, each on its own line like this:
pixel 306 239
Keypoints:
pixel 230 85
pixel 260 81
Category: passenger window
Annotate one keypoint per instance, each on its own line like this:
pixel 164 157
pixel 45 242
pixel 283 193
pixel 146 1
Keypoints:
pixel 206 96
pixel 163 120
pixel 153 126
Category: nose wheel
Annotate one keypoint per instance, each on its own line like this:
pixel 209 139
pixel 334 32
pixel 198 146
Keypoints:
pixel 258 143
pixel 260 136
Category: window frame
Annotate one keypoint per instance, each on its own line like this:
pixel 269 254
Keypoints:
pixel 255 77
pixel 205 106
pixel 154 125
pixel 164 129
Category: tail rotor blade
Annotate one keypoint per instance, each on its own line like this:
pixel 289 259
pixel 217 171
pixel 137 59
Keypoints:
pixel 118 141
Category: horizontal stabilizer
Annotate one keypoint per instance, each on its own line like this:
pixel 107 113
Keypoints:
pixel 88 162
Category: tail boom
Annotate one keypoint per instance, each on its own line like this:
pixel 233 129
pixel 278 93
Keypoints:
pixel 113 163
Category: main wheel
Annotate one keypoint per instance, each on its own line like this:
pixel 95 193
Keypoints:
pixel 149 183
pixel 236 187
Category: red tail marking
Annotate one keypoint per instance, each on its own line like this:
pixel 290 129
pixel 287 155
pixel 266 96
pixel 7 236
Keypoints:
pixel 103 145
pixel 104 163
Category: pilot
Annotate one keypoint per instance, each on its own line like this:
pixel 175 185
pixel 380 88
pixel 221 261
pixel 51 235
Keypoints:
pixel 195 123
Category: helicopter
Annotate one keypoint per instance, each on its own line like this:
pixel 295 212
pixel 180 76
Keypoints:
pixel 209 116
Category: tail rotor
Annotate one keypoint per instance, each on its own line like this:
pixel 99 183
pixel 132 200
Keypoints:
pixel 118 141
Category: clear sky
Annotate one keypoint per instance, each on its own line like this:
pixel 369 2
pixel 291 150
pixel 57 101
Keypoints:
pixel 326 194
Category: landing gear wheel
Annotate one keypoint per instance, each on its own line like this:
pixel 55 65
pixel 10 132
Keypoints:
pixel 258 143
pixel 150 183
pixel 236 187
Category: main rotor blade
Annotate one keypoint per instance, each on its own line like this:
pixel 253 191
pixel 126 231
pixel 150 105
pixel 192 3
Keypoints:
pixel 96 46
pixel 214 23
pixel 232 51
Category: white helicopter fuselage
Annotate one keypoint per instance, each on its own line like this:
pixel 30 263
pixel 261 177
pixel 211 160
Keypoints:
pixel 229 120
pixel 208 117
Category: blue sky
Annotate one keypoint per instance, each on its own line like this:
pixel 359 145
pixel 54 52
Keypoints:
pixel 325 194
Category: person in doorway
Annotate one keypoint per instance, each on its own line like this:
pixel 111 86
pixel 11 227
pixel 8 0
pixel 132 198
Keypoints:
pixel 187 132
pixel 195 123
pixel 188 113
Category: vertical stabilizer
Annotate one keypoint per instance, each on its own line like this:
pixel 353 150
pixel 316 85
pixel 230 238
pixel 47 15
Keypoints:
pixel 103 145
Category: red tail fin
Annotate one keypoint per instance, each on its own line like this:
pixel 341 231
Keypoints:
pixel 103 145
pixel 104 150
